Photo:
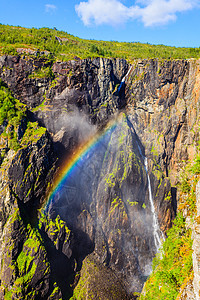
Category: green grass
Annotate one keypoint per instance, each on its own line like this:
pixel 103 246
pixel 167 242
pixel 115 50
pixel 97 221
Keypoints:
pixel 44 39
pixel 12 111
pixel 174 267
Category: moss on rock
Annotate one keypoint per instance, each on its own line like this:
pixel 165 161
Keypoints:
pixel 98 282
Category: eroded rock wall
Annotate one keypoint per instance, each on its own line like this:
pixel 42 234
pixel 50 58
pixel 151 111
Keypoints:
pixel 112 217
pixel 163 99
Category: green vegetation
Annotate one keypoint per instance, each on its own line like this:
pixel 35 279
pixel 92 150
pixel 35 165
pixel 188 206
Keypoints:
pixel 63 46
pixel 187 186
pixel 123 163
pixel 117 203
pixel 24 266
pixel 11 110
pixel 12 115
pixel 53 226
pixel 173 266
pixel 27 264
pixel 55 292
pixel 125 159
pixel 43 73
pixel 195 169
pixel 132 203
pixel 33 133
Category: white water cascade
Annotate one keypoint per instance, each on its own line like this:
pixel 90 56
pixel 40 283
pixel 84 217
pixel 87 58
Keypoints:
pixel 157 233
pixel 123 79
pixel 156 230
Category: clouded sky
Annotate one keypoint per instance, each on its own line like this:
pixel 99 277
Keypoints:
pixel 169 22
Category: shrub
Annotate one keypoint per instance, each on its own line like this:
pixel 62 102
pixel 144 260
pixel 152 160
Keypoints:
pixel 196 167
pixel 172 266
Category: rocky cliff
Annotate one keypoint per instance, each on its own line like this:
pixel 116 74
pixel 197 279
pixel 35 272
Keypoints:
pixel 102 219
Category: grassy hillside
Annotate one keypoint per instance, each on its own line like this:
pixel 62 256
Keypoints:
pixel 173 268
pixel 64 46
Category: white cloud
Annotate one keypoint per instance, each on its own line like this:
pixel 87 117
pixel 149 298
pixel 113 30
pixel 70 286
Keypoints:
pixel 50 8
pixel 101 11
pixel 150 12
pixel 159 12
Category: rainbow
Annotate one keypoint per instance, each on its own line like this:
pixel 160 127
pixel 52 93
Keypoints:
pixel 72 161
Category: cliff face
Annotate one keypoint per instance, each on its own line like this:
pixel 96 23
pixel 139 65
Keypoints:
pixel 23 259
pixel 104 206
pixel 163 102
pixel 88 84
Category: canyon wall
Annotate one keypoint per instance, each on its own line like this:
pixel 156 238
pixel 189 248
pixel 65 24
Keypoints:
pixel 102 220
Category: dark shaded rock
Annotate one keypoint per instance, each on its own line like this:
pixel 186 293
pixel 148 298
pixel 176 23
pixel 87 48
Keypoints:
pixel 29 171
pixel 24 266
pixel 59 243
pixel 97 281
pixel 25 270
pixel 21 129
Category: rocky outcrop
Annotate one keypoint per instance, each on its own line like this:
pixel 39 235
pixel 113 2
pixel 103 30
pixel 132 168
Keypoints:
pixel 29 172
pixel 24 266
pixel 90 85
pixel 164 108
pixel 25 270
pixel 98 281
pixel 16 73
pixel 67 93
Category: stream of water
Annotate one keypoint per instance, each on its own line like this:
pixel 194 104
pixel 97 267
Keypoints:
pixel 156 230
pixel 157 234
pixel 123 79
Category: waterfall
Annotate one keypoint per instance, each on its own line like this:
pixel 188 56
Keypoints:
pixel 123 79
pixel 156 230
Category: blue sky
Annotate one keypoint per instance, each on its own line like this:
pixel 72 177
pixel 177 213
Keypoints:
pixel 168 22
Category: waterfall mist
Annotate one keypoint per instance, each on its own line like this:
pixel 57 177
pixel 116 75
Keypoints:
pixel 106 196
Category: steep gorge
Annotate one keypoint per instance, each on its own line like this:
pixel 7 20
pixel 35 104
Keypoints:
pixel 101 221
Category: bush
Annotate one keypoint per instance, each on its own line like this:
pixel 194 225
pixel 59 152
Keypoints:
pixel 11 114
pixel 185 186
pixel 9 49
pixel 196 167
pixel 10 108
pixel 43 73
pixel 173 266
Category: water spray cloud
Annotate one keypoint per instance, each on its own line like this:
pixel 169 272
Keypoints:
pixel 72 162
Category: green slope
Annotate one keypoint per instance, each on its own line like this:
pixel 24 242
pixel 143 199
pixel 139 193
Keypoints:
pixel 64 46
